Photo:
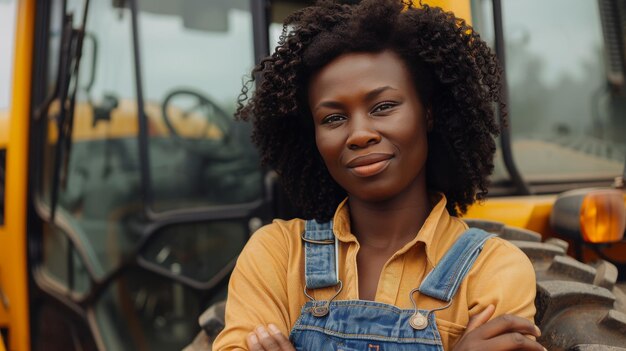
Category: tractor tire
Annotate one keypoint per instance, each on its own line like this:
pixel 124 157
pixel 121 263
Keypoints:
pixel 579 306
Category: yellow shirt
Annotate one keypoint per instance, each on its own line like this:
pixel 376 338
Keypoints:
pixel 268 281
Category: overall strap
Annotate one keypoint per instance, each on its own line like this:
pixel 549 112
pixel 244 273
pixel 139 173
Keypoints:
pixel 321 266
pixel 444 280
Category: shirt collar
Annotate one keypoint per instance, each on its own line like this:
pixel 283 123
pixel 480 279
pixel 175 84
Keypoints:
pixel 433 229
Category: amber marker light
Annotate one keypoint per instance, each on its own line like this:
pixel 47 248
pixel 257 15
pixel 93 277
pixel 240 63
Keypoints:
pixel 602 218
pixel 593 215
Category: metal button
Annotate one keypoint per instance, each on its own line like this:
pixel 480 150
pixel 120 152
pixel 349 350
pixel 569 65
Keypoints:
pixel 320 311
pixel 418 321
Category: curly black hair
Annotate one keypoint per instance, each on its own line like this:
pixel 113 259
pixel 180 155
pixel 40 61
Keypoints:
pixel 459 80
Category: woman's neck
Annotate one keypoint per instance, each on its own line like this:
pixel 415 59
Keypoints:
pixel 389 225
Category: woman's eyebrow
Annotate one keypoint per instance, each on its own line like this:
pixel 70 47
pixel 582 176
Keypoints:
pixel 369 96
pixel 329 104
pixel 374 93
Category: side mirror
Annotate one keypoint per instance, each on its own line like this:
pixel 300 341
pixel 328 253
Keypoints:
pixel 590 215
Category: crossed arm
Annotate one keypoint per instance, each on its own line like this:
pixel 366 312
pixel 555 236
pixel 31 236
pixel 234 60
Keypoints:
pixel 507 332
pixel 261 285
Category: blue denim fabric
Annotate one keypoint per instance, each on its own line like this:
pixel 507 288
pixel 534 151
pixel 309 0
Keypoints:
pixel 320 259
pixel 362 325
pixel 443 281
pixel 372 326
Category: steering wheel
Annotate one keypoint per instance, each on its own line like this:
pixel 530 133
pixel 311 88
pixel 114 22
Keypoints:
pixel 215 116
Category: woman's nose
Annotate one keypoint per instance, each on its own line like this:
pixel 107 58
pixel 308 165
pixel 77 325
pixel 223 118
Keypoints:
pixel 362 134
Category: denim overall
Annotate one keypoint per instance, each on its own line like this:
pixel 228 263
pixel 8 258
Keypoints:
pixel 358 325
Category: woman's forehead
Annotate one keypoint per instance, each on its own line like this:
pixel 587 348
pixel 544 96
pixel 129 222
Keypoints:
pixel 359 72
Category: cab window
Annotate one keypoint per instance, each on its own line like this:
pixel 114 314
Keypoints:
pixel 97 242
pixel 566 123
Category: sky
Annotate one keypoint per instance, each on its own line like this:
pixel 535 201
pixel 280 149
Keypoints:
pixel 566 34
pixel 567 37
pixel 7 30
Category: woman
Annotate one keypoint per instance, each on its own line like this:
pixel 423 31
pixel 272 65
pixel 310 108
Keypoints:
pixel 380 122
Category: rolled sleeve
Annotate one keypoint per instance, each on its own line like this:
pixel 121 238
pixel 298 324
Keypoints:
pixel 504 277
pixel 257 291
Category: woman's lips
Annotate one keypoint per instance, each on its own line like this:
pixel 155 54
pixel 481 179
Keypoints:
pixel 369 165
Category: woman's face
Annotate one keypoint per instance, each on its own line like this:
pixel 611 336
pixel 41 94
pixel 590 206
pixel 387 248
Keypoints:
pixel 370 125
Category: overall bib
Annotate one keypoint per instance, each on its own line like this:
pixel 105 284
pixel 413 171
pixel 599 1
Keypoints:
pixel 357 325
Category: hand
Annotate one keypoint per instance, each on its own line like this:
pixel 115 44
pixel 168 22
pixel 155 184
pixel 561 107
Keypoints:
pixel 507 332
pixel 273 340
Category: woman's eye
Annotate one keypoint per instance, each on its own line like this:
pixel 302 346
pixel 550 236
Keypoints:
pixel 384 106
pixel 332 119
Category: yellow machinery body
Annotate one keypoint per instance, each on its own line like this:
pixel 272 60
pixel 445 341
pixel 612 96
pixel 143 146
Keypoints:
pixel 14 135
